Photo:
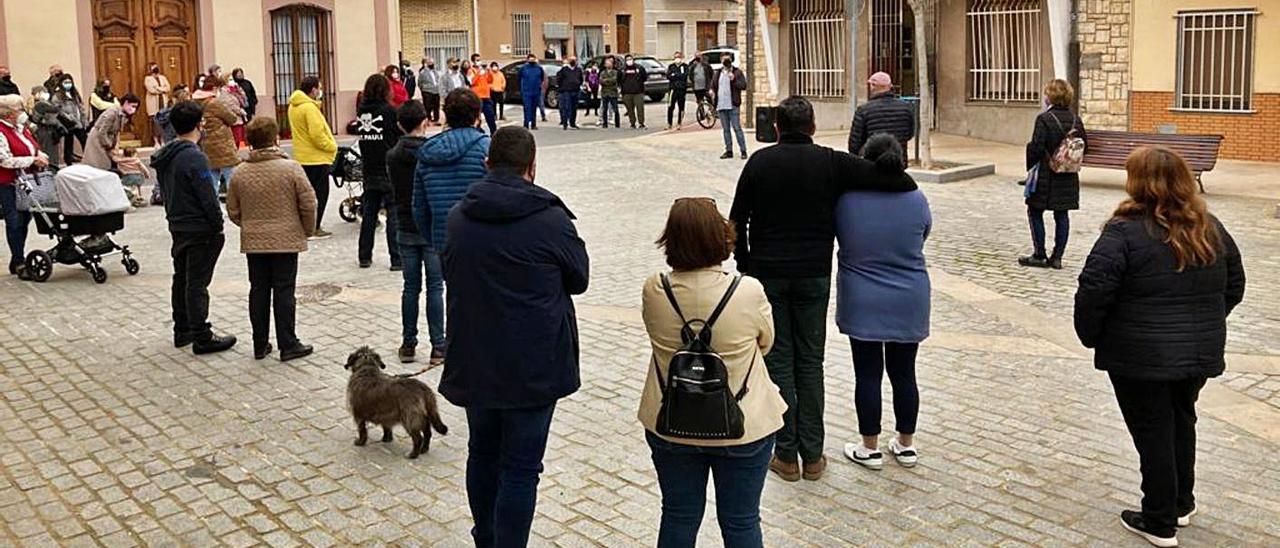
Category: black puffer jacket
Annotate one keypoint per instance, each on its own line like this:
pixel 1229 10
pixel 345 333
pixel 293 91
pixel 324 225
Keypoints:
pixel 1145 319
pixel 884 113
pixel 1054 191
pixel 376 126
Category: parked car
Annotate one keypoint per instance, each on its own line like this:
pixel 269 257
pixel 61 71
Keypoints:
pixel 550 99
pixel 657 86
pixel 713 55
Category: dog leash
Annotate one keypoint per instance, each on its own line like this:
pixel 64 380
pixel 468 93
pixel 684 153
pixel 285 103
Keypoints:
pixel 411 375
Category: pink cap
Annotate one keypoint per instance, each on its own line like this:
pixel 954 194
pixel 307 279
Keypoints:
pixel 880 79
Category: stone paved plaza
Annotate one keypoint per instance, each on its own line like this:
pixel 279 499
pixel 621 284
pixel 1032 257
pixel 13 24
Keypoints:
pixel 110 436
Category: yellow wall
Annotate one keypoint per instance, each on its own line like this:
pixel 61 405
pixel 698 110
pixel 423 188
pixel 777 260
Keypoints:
pixel 238 39
pixel 356 48
pixel 37 38
pixel 1155 35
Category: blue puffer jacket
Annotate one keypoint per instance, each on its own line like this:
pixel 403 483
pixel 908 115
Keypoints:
pixel 447 165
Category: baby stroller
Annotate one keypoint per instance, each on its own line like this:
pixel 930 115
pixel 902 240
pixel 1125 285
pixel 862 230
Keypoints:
pixel 348 170
pixel 77 201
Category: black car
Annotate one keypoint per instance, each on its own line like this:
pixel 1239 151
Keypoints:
pixel 512 73
pixel 657 85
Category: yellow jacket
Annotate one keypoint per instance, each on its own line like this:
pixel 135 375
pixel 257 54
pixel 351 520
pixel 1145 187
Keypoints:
pixel 313 142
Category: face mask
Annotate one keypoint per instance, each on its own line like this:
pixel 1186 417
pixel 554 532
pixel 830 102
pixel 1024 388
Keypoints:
pixel 22 119
pixel 532 61
pixel 630 62
pixel 395 76
pixel 573 63
pixel 129 109
pixel 67 86
pixel 679 60
pixel 432 66
pixel 5 77
pixel 43 96
pixel 319 94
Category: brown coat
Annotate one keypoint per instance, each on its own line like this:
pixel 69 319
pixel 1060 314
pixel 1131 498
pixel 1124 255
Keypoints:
pixel 272 202
pixel 219 144
pixel 103 138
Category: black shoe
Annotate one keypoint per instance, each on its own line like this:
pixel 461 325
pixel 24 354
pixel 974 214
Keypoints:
pixel 182 339
pixel 534 127
pixel 215 343
pixel 744 155
pixel 23 274
pixel 298 351
pixel 1184 518
pixel 564 128
pixel 397 267
pixel 726 156
pixel 1137 524
pixel 1055 263
pixel 366 264
pixel 1034 261
pixel 574 127
pixel 408 353
pixel 259 353
pixel 13 268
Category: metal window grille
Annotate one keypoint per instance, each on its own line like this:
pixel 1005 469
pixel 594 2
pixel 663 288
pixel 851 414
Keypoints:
pixel 521 31
pixel 1215 60
pixel 887 39
pixel 443 45
pixel 1004 50
pixel 818 48
pixel 300 47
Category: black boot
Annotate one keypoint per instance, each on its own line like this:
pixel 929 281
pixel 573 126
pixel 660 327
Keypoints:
pixel 215 343
pixel 1034 261
pixel 298 351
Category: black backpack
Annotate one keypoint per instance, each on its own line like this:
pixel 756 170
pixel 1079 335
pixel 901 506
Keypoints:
pixel 696 400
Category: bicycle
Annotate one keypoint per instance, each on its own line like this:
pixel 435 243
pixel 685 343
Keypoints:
pixel 706 113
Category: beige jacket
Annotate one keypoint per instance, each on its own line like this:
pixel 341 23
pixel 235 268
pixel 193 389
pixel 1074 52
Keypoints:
pixel 743 334
pixel 272 202
pixel 103 138
pixel 157 93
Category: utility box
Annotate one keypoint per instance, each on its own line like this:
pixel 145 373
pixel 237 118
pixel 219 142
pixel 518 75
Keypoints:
pixel 765 118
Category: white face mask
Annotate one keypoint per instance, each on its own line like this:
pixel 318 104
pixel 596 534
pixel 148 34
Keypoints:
pixel 23 119
pixel 319 94
pixel 43 96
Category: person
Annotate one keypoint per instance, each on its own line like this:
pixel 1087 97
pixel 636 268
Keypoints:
pixel 71 114
pixel 568 86
pixel 700 78
pixel 609 93
pixel 448 164
pixel 133 174
pixel 376 121
pixel 313 144
pixel 105 134
pixel 593 89
pixel 453 79
pixel 678 75
pixel 533 82
pixel 1152 302
pixel 1056 192
pixel 784 213
pixel 195 224
pixel 882 302
pixel 727 85
pixel 429 82
pixel 631 79
pixel 399 94
pixel 550 53
pixel 101 100
pixel 481 82
pixel 158 89
pixel 7 87
pixel 248 91
pixel 696 241
pixel 884 112
pixel 19 154
pixel 218 142
pixel 180 93
pixel 498 89
pixel 54 82
pixel 234 99
pixel 512 263
pixel 49 130
pixel 410 81
pixel 273 203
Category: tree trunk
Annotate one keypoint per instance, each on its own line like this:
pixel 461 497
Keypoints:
pixel 919 8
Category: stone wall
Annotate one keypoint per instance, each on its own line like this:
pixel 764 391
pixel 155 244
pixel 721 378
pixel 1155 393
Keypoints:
pixel 1104 31
pixel 419 16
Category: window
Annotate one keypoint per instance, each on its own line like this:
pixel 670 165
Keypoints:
pixel 731 34
pixel 1004 50
pixel 588 42
pixel 818 49
pixel 670 38
pixel 442 45
pixel 521 29
pixel 1215 60
pixel 300 47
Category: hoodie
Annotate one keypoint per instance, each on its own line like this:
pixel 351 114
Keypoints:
pixel 313 143
pixel 376 126
pixel 402 162
pixel 512 263
pixel 190 203
pixel 447 165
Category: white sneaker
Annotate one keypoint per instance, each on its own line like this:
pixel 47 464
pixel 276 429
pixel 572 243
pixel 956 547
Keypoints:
pixel 906 456
pixel 1185 520
pixel 868 458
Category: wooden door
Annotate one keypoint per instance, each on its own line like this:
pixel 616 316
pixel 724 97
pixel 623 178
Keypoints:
pixel 708 35
pixel 129 34
pixel 301 46
pixel 624 34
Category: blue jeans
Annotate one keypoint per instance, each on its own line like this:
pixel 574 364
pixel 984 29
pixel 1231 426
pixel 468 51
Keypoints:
pixel 486 106
pixel 732 119
pixel 221 179
pixel 371 202
pixel 569 108
pixel 531 104
pixel 1061 231
pixel 504 460
pixel 15 225
pixel 421 259
pixel 738 471
pixel 607 104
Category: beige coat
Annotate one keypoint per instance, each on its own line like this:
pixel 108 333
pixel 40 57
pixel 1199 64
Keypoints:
pixel 272 202
pixel 742 335
pixel 219 144
pixel 157 93
pixel 103 138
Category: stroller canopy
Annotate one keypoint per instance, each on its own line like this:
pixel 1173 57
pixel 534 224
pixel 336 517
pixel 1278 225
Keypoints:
pixel 86 191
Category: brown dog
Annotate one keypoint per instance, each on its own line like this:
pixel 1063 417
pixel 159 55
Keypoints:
pixel 374 396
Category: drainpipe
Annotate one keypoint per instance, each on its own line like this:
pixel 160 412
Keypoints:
pixel 475 24
pixel 751 63
pixel 853 9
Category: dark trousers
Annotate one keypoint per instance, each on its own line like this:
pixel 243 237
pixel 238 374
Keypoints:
pixel 318 176
pixel 635 107
pixel 500 104
pixel 432 102
pixel 593 101
pixel 194 258
pixel 1161 417
pixel 15 226
pixel 371 202
pixel 795 363
pixel 486 106
pixel 677 102
pixel 1061 231
pixel 610 104
pixel 530 109
pixel 871 359
pixel 569 108
pixel 700 95
pixel 504 460
pixel 68 144
pixel 739 473
pixel 272 279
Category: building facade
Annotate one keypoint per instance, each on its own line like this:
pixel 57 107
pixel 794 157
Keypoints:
pixel 437 29
pixel 692 25
pixel 275 42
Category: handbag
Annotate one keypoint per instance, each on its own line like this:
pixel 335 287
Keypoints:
pixel 1033 178
pixel 36 187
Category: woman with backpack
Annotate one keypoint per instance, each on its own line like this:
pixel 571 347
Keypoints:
pixel 709 405
pixel 1053 179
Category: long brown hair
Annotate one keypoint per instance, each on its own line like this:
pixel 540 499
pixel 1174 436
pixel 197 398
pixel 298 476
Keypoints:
pixel 697 235
pixel 1161 187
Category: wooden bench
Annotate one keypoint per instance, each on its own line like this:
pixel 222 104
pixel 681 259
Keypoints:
pixel 1110 149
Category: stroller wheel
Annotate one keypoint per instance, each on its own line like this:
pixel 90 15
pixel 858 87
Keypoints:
pixel 130 265
pixel 348 209
pixel 39 265
pixel 99 273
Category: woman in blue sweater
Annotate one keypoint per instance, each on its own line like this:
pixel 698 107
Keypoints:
pixel 883 302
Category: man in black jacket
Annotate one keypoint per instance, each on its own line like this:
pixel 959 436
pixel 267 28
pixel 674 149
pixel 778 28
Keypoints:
pixel 784 212
pixel 512 261
pixel 884 113
pixel 7 87
pixel 678 75
pixel 376 126
pixel 631 79
pixel 568 86
pixel 195 223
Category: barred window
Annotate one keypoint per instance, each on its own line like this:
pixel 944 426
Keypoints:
pixel 1215 60
pixel 443 45
pixel 818 49
pixel 1004 50
pixel 521 28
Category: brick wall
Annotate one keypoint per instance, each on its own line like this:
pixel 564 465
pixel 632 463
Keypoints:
pixel 1104 32
pixel 418 16
pixel 1246 136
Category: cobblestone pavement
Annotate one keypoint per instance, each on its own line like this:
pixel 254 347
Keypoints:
pixel 109 436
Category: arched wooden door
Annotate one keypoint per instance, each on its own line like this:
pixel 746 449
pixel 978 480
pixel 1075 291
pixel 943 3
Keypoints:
pixel 128 34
